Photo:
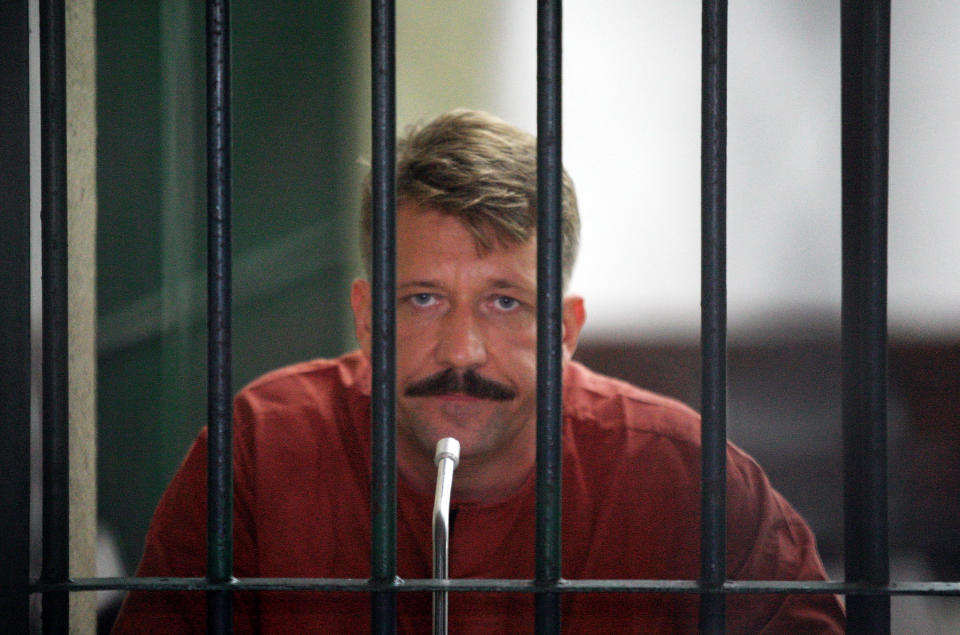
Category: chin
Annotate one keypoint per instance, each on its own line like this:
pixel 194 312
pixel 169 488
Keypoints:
pixel 426 439
pixel 478 430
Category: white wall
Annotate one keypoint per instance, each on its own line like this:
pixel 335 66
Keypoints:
pixel 631 143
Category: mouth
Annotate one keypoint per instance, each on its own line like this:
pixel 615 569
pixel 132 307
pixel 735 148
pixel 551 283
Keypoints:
pixel 458 397
pixel 467 386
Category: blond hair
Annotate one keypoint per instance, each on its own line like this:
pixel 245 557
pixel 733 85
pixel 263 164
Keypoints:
pixel 481 170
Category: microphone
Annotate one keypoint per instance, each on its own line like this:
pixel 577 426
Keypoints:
pixel 446 457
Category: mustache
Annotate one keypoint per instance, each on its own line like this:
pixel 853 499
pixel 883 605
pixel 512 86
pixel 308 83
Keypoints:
pixel 470 383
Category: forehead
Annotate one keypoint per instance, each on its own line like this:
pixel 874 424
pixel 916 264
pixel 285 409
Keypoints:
pixel 432 242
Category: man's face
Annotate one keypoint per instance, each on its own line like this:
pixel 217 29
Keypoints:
pixel 466 338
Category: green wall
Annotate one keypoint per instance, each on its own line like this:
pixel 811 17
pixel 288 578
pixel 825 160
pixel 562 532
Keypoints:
pixel 294 196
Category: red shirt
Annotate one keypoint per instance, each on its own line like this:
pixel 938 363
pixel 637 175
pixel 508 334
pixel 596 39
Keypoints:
pixel 631 498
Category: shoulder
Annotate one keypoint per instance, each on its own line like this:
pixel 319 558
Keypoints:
pixel 612 422
pixel 308 414
pixel 311 378
pixel 632 442
pixel 598 401
pixel 313 384
pixel 302 396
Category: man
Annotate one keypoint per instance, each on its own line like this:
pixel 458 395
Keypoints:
pixel 466 361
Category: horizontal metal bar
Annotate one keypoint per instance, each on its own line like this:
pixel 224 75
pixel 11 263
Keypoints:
pixel 502 585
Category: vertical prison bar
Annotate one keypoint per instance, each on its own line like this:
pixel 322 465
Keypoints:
pixel 865 120
pixel 53 159
pixel 15 303
pixel 713 177
pixel 549 306
pixel 865 49
pixel 383 500
pixel 219 406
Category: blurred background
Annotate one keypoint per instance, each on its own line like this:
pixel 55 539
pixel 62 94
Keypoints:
pixel 631 142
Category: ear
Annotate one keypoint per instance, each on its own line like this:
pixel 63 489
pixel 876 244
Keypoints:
pixel 360 302
pixel 574 315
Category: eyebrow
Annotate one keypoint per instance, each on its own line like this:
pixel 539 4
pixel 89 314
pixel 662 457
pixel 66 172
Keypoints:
pixel 507 284
pixel 500 283
pixel 419 283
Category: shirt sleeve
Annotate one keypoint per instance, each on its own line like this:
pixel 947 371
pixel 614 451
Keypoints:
pixel 769 540
pixel 176 547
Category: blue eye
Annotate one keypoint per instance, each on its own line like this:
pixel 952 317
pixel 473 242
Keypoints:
pixel 423 299
pixel 506 303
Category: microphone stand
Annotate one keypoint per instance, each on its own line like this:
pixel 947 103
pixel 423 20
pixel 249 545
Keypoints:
pixel 446 458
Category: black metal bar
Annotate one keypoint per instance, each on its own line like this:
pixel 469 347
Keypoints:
pixel 865 120
pixel 549 311
pixel 15 317
pixel 713 312
pixel 56 478
pixel 740 587
pixel 219 393
pixel 383 504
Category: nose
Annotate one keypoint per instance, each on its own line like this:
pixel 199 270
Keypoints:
pixel 461 344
